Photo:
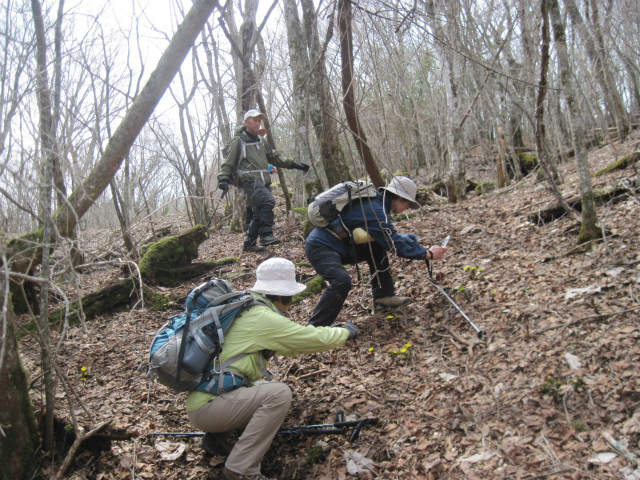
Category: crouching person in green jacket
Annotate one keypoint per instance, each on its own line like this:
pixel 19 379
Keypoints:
pixel 261 406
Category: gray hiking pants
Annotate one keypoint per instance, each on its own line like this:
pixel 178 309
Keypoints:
pixel 261 201
pixel 260 409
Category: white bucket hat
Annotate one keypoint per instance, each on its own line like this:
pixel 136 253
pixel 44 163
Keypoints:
pixel 405 188
pixel 253 113
pixel 277 276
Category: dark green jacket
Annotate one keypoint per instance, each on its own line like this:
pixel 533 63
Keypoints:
pixel 249 157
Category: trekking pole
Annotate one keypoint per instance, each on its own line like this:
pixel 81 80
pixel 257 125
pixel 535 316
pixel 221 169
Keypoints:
pixel 331 428
pixel 340 426
pixel 480 331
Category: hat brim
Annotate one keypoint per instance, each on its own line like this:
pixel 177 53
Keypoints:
pixel 403 196
pixel 282 288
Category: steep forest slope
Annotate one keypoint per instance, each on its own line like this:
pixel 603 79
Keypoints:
pixel 557 373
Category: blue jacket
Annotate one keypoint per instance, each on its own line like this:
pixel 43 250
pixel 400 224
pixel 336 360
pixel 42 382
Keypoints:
pixel 373 215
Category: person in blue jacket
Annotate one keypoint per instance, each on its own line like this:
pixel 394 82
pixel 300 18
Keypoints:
pixel 364 232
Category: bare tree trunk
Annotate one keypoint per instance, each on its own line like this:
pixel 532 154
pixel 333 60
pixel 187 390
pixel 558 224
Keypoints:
pixel 589 229
pixel 602 72
pixel 321 109
pixel 82 198
pixel 300 67
pixel 19 442
pixel 540 128
pixel 14 398
pixel 346 51
pixel 47 154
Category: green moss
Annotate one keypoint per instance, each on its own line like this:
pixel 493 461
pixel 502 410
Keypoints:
pixel 301 210
pixel 314 286
pixel 303 264
pixel 164 256
pixel 485 187
pixel 624 162
pixel 528 161
pixel 221 262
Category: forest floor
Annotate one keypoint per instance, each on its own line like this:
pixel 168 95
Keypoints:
pixel 557 373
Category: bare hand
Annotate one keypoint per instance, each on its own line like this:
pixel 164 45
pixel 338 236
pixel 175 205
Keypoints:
pixel 437 252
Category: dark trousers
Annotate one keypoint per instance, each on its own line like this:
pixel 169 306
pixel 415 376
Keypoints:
pixel 329 263
pixel 261 201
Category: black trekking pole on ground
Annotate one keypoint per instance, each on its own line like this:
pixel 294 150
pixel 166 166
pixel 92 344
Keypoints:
pixel 480 331
pixel 340 426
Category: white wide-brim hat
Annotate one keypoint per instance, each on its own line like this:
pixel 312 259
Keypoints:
pixel 277 276
pixel 405 188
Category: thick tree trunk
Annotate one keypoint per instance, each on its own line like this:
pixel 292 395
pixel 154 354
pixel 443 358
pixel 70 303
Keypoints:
pixel 346 51
pixel 18 437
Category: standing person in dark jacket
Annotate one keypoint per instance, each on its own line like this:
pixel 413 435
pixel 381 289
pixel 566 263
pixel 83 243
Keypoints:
pixel 247 166
pixel 368 221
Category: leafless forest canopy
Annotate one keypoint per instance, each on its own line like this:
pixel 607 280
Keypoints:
pixel 434 82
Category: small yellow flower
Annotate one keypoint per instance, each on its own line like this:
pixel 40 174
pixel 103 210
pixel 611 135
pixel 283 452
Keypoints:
pixel 370 349
pixel 403 350
pixel 83 369
pixel 408 345
pixel 393 352
pixel 466 268
pixel 389 317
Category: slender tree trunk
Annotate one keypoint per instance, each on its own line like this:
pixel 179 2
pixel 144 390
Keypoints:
pixel 119 144
pixel 47 154
pixel 540 127
pixel 346 51
pixel 589 229
pixel 609 90
pixel 19 440
pixel 300 67
pixel 321 109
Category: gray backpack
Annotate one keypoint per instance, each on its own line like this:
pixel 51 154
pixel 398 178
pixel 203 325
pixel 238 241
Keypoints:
pixel 327 205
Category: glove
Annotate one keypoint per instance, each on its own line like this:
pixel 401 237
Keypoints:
pixel 301 166
pixel 410 237
pixel 352 329
pixel 223 185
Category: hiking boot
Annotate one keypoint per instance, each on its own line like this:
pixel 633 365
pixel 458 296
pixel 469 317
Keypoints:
pixel 252 247
pixel 392 302
pixel 215 444
pixel 269 239
pixel 229 475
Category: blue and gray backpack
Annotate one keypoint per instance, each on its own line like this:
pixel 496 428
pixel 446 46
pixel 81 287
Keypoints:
pixel 184 354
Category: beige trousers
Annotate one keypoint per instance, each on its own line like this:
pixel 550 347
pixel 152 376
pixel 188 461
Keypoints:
pixel 260 409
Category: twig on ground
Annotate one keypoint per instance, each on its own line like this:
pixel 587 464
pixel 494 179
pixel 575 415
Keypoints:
pixel 74 448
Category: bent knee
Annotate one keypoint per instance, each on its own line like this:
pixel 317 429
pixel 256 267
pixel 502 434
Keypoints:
pixel 279 392
pixel 342 283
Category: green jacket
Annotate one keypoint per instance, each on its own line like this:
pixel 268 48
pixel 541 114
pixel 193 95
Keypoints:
pixel 237 167
pixel 263 328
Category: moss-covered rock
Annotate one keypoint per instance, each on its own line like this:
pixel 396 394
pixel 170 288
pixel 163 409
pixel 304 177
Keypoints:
pixel 163 257
pixel 620 164
pixel 314 286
